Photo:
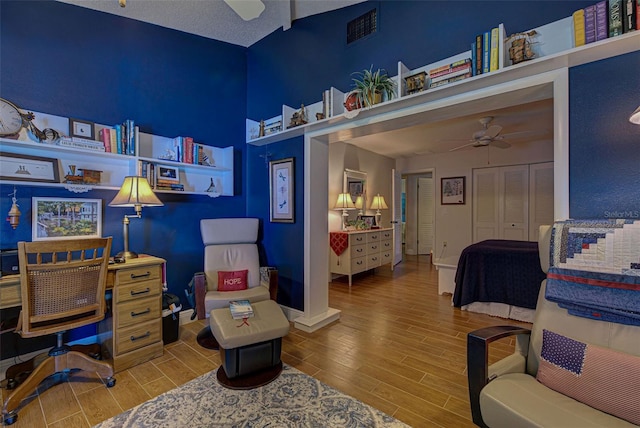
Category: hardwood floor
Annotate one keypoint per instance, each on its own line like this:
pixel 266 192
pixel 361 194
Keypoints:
pixel 398 346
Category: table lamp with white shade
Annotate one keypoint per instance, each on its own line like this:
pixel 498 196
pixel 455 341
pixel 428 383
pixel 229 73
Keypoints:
pixel 135 192
pixel 344 203
pixel 378 204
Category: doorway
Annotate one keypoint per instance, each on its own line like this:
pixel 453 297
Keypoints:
pixel 419 213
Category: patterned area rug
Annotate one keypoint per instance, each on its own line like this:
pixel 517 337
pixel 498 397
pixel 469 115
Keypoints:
pixel 294 399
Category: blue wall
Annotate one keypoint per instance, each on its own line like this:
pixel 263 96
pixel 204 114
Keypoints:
pixel 75 62
pixel 605 147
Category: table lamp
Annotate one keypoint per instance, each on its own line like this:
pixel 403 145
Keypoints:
pixel 360 205
pixel 344 203
pixel 378 204
pixel 135 192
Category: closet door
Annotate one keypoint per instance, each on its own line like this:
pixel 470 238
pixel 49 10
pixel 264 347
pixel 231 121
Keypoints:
pixel 501 203
pixel 425 215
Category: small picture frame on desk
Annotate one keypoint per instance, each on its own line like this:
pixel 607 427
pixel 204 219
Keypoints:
pixel 369 220
pixel 82 129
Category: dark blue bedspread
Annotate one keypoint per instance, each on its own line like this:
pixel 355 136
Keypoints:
pixel 499 271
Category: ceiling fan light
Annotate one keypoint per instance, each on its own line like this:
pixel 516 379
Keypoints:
pixel 246 9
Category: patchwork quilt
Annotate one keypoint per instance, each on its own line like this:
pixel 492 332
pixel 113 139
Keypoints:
pixel 595 269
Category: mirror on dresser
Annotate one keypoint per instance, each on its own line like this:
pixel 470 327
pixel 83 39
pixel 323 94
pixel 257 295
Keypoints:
pixel 355 184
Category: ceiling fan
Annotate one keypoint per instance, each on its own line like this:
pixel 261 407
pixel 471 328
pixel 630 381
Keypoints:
pixel 488 135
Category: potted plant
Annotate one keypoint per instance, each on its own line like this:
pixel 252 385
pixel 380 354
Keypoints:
pixel 370 86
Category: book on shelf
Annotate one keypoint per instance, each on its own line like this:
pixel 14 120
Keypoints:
pixel 457 70
pixel 486 48
pixel 615 17
pixel 602 20
pixel 450 80
pixel 578 28
pixel 494 50
pixel 590 24
pixel 105 137
pixel 240 309
pixel 478 62
pixel 629 15
pixel 174 187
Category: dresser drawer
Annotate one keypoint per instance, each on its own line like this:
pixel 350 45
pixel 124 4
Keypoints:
pixel 358 265
pixel 137 336
pixel 386 245
pixel 142 273
pixel 387 234
pixel 358 251
pixel 360 238
pixel 373 236
pixel 373 261
pixel 385 257
pixel 373 247
pixel 137 311
pixel 137 290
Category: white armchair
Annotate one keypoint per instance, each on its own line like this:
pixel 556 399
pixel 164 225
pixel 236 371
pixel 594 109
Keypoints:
pixel 230 245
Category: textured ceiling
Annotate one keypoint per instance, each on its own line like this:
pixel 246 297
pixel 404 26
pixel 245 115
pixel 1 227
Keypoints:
pixel 214 19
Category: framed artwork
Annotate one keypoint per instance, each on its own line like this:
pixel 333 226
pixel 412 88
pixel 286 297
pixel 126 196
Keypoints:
pixel 167 173
pixel 82 129
pixel 66 218
pixel 369 220
pixel 452 190
pixel 281 191
pixel 15 167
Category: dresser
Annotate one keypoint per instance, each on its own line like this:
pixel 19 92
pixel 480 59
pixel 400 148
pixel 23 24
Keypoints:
pixel 365 250
pixel 131 332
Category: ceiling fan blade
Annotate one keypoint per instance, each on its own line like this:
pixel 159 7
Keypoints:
pixel 500 143
pixel 524 134
pixel 493 131
pixel 463 146
pixel 246 9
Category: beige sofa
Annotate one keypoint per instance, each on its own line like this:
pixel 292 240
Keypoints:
pixel 507 394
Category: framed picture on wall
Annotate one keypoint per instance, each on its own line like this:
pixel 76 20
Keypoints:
pixel 281 191
pixel 452 191
pixel 66 218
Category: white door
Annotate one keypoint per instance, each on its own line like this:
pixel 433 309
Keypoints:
pixel 501 203
pixel 396 216
pixel 425 215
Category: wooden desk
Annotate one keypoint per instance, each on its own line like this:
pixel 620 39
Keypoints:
pixel 131 332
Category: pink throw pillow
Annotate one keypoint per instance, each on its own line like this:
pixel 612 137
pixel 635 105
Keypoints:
pixel 232 280
pixel 602 378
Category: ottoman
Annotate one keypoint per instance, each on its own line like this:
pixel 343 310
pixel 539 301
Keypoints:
pixel 250 345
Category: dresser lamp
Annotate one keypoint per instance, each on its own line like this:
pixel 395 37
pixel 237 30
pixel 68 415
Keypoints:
pixel 135 192
pixel 635 116
pixel 360 205
pixel 378 204
pixel 345 204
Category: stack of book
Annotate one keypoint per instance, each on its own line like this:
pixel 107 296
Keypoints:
pixel 240 309
pixel 81 143
pixel 161 184
pixel 607 18
pixel 453 72
pixel 486 51
pixel 122 138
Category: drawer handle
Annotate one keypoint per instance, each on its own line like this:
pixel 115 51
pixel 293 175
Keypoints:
pixel 358 239
pixel 134 338
pixel 374 247
pixel 135 293
pixel 137 314
pixel 359 262
pixel 359 250
pixel 374 259
pixel 144 275
pixel 374 236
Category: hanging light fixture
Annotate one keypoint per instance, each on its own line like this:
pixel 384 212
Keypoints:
pixel 13 217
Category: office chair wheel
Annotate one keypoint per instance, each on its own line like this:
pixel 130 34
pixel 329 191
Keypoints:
pixel 111 382
pixel 9 418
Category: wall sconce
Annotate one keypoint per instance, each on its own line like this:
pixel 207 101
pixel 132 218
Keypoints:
pixel 378 204
pixel 635 116
pixel 135 192
pixel 344 203
pixel 360 205
pixel 13 216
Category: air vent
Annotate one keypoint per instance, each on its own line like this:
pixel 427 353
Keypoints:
pixel 362 26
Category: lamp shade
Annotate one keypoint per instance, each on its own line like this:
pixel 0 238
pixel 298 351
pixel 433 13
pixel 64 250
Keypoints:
pixel 378 203
pixel 344 202
pixel 359 202
pixel 135 191
pixel 635 116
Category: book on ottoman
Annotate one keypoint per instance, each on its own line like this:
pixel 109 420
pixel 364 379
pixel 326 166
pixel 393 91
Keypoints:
pixel 240 309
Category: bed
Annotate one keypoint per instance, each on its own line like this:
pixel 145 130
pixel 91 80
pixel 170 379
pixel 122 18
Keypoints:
pixel 500 278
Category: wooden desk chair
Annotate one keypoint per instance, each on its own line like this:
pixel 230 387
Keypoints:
pixel 63 285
